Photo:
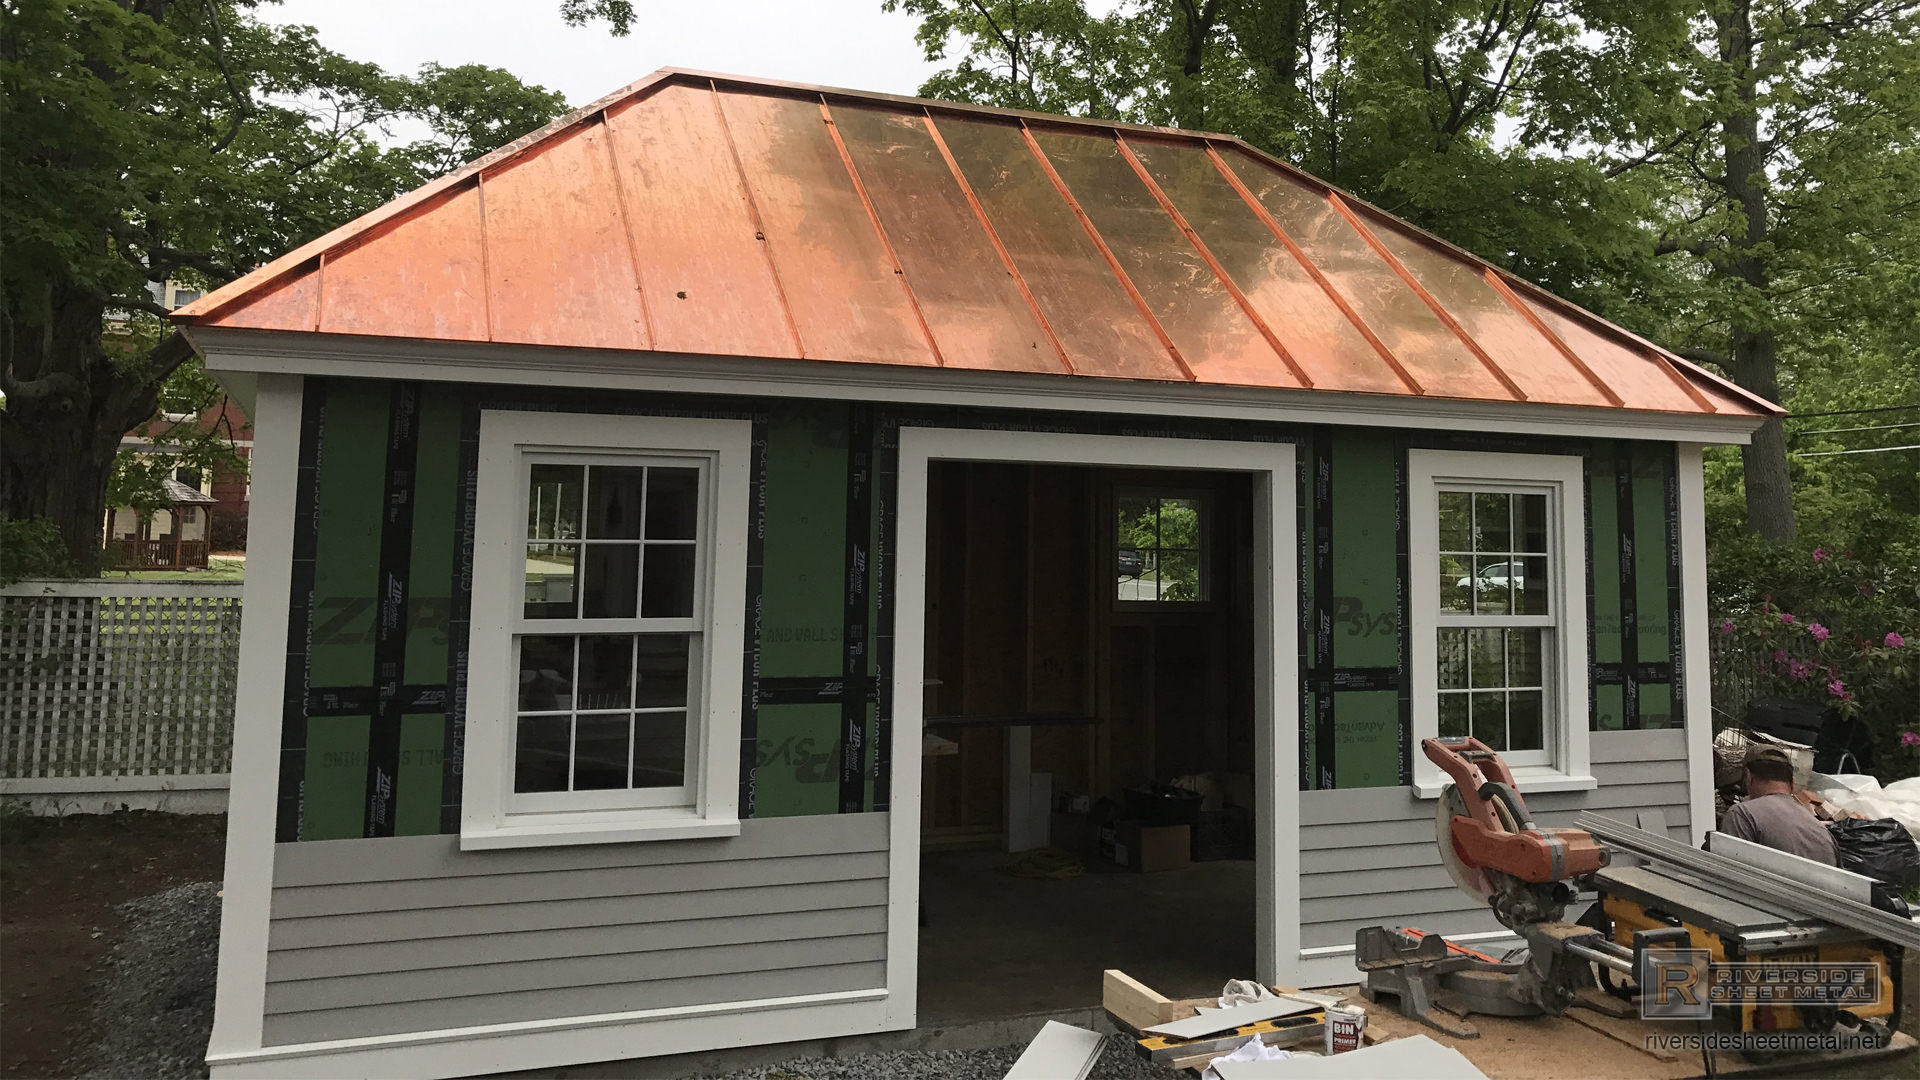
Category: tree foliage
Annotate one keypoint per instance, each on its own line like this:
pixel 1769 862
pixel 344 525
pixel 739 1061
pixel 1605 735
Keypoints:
pixel 186 140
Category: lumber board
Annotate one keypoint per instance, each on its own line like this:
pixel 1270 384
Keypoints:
pixel 1059 1051
pixel 1132 1002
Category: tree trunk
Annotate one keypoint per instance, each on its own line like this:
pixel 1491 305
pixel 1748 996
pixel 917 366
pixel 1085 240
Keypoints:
pixel 1755 349
pixel 67 408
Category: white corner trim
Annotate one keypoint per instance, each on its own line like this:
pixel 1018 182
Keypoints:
pixel 1276 719
pixel 572 1040
pixel 486 820
pixel 1563 477
pixel 239 999
pixel 234 350
pixel 1696 684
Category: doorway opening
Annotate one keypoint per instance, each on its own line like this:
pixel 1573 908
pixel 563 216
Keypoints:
pixel 1089 743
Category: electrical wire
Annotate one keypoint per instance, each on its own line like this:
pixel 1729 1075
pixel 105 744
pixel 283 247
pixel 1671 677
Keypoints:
pixel 1852 412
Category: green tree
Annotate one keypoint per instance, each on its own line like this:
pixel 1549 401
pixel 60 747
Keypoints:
pixel 143 141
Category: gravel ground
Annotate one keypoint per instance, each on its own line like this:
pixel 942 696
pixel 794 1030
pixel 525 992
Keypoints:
pixel 1118 1062
pixel 155 1006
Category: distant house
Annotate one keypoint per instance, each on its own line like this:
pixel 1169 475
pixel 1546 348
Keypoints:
pixel 208 513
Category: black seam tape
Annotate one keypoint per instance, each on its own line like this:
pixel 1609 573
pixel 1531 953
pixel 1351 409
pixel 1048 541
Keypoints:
pixel 1323 604
pixel 460 622
pixel 390 625
pixel 1403 615
pixel 756 577
pixel 1629 619
pixel 1676 615
pixel 366 700
pixel 290 803
pixel 1589 468
pixel 886 489
pixel 853 633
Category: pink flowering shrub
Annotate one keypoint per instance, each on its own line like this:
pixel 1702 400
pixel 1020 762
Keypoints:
pixel 1824 627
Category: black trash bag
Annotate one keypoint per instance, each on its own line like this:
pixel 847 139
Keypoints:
pixel 1881 849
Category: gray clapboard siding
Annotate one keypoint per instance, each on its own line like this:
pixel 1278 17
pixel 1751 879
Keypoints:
pixel 447 1013
pixel 1368 855
pixel 375 937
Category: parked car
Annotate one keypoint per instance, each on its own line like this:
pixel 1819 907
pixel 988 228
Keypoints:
pixel 1497 576
pixel 1130 563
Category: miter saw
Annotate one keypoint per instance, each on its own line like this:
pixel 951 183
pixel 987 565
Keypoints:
pixel 1496 854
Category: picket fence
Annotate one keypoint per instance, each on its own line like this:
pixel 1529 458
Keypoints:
pixel 118 693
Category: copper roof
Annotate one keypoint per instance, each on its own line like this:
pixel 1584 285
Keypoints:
pixel 707 214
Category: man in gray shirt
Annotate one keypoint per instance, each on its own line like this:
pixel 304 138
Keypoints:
pixel 1770 814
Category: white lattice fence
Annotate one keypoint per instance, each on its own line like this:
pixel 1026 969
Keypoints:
pixel 116 682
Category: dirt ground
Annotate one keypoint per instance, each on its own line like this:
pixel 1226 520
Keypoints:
pixel 60 880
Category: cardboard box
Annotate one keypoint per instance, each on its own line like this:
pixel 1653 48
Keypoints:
pixel 1150 848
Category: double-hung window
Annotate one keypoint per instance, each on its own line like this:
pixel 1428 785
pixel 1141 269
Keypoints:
pixel 1498 581
pixel 608 612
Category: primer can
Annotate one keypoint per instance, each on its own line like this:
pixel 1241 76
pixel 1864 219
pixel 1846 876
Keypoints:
pixel 1344 1025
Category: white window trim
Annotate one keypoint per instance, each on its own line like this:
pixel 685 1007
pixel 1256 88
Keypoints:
pixel 487 819
pixel 1564 479
pixel 1203 499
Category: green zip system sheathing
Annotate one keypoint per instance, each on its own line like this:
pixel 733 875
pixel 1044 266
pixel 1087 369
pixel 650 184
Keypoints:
pixel 372 733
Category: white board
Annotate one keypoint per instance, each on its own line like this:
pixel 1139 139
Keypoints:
pixel 1415 1055
pixel 1208 1023
pixel 1059 1052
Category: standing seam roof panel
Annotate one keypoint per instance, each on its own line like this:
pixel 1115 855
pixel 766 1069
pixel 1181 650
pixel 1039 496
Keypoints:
pixel 711 215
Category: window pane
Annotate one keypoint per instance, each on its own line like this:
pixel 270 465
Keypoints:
pixel 1492 585
pixel 1453 716
pixel 546 674
pixel 1489 663
pixel 1523 657
pixel 1180 523
pixel 1492 525
pixel 663 671
pixel 666 592
pixel 540 753
pixel 1453 659
pixel 613 502
pixel 1179 575
pixel 606 673
pixel 1524 729
pixel 659 749
pixel 600 751
pixel 553 502
pixel 1532 512
pixel 673 504
pixel 611 583
pixel 1456 522
pixel 1456 584
pixel 1490 719
pixel 1530 588
pixel 550 580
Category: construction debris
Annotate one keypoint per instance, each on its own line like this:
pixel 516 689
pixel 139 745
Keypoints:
pixel 1415 1055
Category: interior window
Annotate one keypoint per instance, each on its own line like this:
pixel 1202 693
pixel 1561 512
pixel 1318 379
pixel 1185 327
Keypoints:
pixel 1159 549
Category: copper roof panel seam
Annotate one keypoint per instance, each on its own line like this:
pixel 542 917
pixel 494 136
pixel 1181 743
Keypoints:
pixel 999 246
pixel 1685 384
pixel 1446 317
pixel 1273 225
pixel 1506 295
pixel 486 266
pixel 1193 237
pixel 880 230
pixel 759 226
pixel 626 226
pixel 1113 262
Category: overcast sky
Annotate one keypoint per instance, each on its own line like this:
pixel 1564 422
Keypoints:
pixel 848 43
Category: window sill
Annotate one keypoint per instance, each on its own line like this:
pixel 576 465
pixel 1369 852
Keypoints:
pixel 554 830
pixel 1532 779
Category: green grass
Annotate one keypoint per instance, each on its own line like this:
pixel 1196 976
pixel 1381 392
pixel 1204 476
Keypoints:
pixel 218 569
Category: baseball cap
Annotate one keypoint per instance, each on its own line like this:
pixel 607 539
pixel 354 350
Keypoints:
pixel 1766 752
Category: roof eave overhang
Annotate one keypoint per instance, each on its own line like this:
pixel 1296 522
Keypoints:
pixel 235 352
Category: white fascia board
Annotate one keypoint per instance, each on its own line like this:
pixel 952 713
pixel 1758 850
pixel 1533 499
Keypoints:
pixel 228 350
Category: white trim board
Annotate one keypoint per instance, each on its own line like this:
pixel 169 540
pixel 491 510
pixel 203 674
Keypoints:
pixel 1694 677
pixel 239 1000
pixel 1275 569
pixel 228 350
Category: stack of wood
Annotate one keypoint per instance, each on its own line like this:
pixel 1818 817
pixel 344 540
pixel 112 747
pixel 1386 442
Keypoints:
pixel 1190 1033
